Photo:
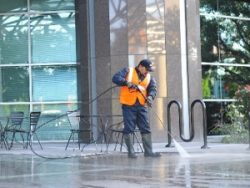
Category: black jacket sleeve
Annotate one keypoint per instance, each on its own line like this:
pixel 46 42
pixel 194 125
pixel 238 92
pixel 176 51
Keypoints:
pixel 119 78
pixel 152 88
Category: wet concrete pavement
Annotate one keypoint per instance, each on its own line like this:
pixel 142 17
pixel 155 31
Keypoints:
pixel 219 166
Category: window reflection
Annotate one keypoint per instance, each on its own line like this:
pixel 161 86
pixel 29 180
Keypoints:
pixel 57 128
pixel 220 82
pixel 226 46
pixel 13 39
pixel 118 26
pixel 54 83
pixel 13 6
pixel 137 29
pixel 216 115
pixel 209 40
pixel 50 5
pixel 238 8
pixel 6 109
pixel 53 38
pixel 155 26
pixel 14 84
pixel 225 52
pixel 34 33
pixel 233 40
pixel 140 24
pixel 229 25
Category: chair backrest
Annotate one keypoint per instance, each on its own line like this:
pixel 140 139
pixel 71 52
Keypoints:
pixel 1 128
pixel 16 119
pixel 34 118
pixel 74 119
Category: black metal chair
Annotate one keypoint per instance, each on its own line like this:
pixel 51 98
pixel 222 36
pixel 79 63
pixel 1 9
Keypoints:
pixel 13 126
pixel 75 118
pixel 3 139
pixel 33 122
pixel 116 131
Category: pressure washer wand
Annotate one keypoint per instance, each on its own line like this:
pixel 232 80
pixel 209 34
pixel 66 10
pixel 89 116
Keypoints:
pixel 138 89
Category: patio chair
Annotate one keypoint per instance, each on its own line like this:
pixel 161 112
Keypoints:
pixel 75 119
pixel 33 121
pixel 13 126
pixel 3 137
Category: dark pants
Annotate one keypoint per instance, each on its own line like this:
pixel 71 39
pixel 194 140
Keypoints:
pixel 135 115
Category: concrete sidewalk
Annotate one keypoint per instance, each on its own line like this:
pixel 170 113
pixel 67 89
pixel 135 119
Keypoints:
pixel 223 165
pixel 58 149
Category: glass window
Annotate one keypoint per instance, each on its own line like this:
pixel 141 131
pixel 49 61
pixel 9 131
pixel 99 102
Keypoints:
pixel 14 84
pixel 239 8
pixel 236 8
pixel 225 31
pixel 13 6
pixel 234 41
pixel 222 82
pixel 207 6
pixel 53 38
pixel 54 83
pixel 44 35
pixel 50 5
pixel 13 39
pixel 53 128
pixel 228 41
pixel 57 127
pixel 209 40
pixel 55 109
pixel 6 109
pixel 216 115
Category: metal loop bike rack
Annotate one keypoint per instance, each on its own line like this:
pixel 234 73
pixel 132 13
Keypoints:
pixel 204 115
pixel 169 119
pixel 191 128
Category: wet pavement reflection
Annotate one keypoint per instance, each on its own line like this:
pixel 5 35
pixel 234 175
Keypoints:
pixel 117 171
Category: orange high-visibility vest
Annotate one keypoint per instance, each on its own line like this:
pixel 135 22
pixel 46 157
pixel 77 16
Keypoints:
pixel 129 96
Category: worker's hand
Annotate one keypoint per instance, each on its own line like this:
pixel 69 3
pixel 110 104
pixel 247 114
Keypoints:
pixel 149 101
pixel 131 85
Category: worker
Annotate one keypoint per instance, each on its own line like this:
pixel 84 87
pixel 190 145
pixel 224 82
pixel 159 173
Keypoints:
pixel 138 90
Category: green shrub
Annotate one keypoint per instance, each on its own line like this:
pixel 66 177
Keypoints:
pixel 238 114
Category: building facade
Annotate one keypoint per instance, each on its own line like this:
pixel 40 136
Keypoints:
pixel 127 31
pixel 59 55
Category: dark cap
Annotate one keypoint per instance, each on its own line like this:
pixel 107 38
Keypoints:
pixel 148 64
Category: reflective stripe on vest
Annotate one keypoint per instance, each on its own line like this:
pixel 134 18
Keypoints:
pixel 129 96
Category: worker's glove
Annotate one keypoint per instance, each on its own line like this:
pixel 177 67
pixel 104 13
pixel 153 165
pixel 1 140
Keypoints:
pixel 131 85
pixel 149 101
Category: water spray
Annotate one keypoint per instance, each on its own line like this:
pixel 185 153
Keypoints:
pixel 183 153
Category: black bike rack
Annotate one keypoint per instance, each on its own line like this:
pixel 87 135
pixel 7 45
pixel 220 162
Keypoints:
pixel 204 115
pixel 169 119
pixel 191 128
